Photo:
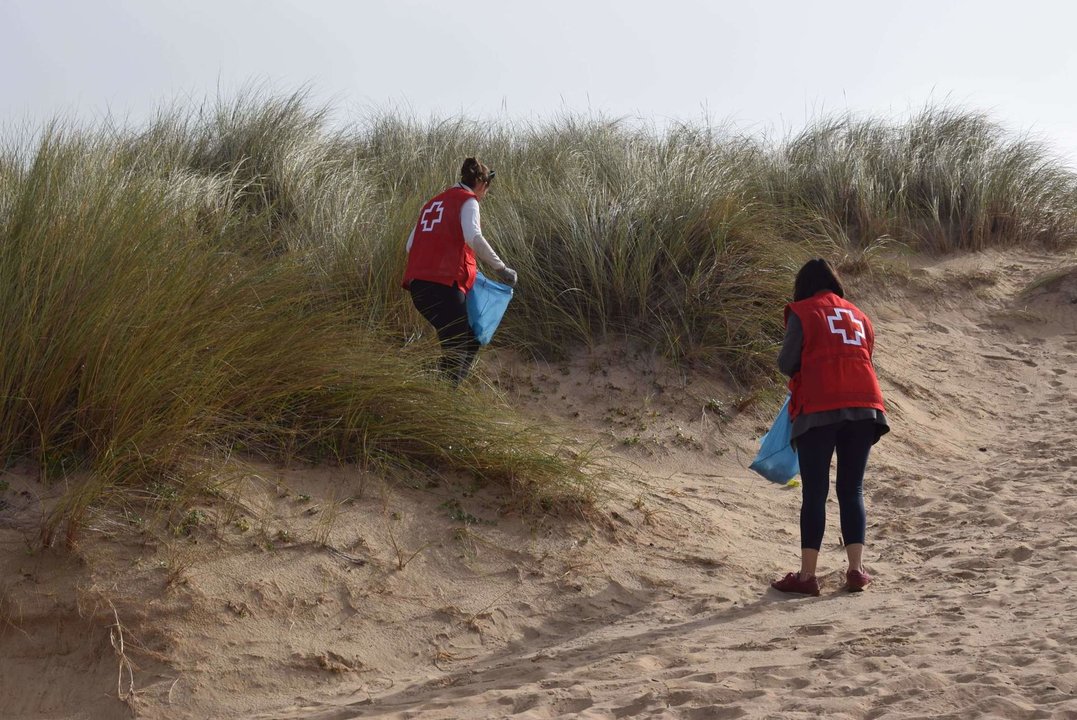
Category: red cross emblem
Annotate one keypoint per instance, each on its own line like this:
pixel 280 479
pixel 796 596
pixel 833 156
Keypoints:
pixel 428 219
pixel 844 323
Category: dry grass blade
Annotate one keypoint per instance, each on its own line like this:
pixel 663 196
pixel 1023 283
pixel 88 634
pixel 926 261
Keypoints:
pixel 115 635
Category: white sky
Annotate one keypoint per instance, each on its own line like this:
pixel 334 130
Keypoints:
pixel 766 66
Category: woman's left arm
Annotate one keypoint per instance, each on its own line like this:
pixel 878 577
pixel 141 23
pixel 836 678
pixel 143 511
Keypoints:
pixel 469 223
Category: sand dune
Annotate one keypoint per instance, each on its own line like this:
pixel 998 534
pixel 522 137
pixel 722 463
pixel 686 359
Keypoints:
pixel 433 604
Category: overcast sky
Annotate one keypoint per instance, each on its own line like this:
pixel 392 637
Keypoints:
pixel 766 66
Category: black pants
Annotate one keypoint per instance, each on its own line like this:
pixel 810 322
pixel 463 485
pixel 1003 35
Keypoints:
pixel 852 439
pixel 444 307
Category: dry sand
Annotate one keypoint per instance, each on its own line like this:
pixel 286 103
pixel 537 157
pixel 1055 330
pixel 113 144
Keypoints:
pixel 432 603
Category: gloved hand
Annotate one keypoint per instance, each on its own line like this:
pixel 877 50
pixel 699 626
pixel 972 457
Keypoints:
pixel 507 275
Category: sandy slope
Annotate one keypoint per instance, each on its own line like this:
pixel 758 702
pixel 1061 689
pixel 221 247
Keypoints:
pixel 658 608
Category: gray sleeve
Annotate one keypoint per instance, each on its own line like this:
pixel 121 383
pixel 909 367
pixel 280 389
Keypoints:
pixel 789 357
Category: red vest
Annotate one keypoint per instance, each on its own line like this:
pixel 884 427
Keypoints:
pixel 438 251
pixel 835 361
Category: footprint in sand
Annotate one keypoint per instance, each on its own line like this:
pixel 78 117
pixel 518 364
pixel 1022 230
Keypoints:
pixel 637 706
pixel 1018 554
pixel 715 712
pixel 814 630
pixel 571 706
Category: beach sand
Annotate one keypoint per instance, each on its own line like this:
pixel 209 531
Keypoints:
pixel 334 593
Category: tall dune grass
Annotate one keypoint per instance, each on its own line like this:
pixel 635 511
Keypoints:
pixel 229 277
pixel 663 239
pixel 141 331
pixel 946 180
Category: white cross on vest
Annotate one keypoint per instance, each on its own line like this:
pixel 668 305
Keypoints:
pixel 848 322
pixel 428 220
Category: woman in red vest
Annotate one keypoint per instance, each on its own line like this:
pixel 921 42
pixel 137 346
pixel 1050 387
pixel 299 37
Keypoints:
pixel 836 406
pixel 441 266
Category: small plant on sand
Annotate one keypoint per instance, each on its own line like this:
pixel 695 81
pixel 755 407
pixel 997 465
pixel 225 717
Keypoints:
pixel 192 520
pixel 179 557
pixel 459 514
pixel 650 515
pixel 323 529
pixel 716 406
pixel 403 557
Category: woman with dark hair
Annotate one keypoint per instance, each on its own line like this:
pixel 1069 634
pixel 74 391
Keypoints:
pixel 441 268
pixel 836 406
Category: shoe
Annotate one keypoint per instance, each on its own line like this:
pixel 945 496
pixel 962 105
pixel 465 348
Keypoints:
pixel 857 580
pixel 792 583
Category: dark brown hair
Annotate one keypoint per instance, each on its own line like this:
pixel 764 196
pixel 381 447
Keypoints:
pixel 474 172
pixel 817 275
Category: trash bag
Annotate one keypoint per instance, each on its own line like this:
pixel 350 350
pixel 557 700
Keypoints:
pixel 777 460
pixel 486 303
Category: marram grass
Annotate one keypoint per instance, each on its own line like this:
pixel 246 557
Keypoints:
pixel 140 334
pixel 229 278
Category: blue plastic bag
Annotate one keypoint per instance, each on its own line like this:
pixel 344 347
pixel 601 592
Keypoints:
pixel 486 304
pixel 777 460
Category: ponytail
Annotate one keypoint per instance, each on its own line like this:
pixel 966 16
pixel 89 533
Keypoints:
pixel 473 172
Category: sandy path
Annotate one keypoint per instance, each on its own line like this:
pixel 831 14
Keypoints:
pixel 973 527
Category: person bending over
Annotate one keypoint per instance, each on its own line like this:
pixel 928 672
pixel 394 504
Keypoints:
pixel 442 249
pixel 836 406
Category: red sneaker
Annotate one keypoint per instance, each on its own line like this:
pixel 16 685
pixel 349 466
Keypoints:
pixel 792 583
pixel 857 580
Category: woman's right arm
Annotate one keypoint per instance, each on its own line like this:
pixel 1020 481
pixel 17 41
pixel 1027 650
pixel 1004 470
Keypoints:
pixel 789 356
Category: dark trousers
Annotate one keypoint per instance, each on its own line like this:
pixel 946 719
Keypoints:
pixel 852 440
pixel 444 308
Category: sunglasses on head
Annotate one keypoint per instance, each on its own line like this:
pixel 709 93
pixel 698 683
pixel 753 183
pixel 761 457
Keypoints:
pixel 490 177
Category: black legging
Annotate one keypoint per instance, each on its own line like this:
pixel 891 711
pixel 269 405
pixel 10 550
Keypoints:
pixel 444 307
pixel 853 440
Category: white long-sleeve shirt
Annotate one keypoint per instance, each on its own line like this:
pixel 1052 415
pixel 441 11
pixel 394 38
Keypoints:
pixel 469 223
